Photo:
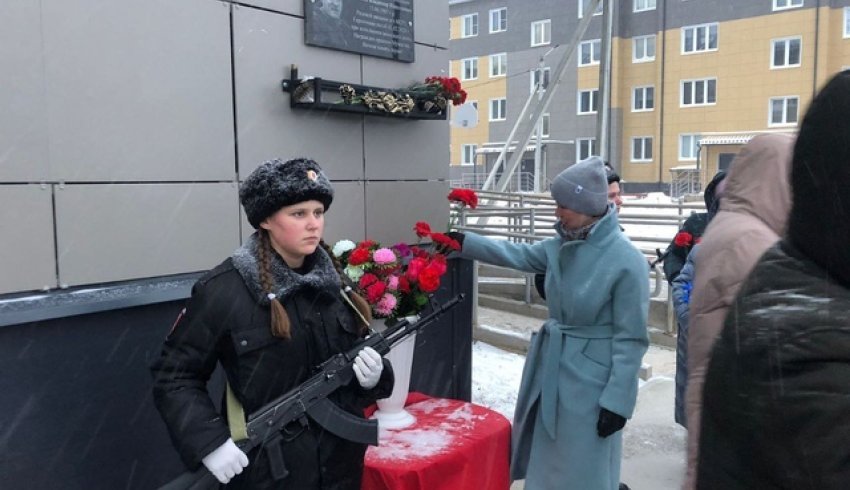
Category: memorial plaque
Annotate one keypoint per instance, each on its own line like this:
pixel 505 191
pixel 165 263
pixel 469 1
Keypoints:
pixel 381 28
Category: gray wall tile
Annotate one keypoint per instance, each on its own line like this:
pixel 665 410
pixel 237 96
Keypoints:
pixel 23 125
pixel 144 230
pixel 138 90
pixel 265 46
pixel 27 256
pixel 292 7
pixel 392 208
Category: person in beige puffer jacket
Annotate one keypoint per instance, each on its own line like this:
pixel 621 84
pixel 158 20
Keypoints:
pixel 752 217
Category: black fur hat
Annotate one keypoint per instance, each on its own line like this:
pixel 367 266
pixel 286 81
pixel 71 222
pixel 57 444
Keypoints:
pixel 819 223
pixel 275 184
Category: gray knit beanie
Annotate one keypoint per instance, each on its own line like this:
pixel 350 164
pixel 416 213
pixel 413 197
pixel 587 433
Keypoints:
pixel 582 187
pixel 275 184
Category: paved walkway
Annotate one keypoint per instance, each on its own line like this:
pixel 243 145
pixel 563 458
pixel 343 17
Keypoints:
pixel 653 444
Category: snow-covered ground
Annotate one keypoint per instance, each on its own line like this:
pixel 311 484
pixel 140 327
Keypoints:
pixel 495 378
pixel 496 373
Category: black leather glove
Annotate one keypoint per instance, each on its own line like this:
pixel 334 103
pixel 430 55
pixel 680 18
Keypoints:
pixel 609 423
pixel 456 236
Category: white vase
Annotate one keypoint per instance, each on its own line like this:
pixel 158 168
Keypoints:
pixel 391 413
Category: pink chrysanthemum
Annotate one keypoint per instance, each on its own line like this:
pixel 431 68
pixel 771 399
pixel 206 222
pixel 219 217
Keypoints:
pixel 392 283
pixel 386 305
pixel 384 256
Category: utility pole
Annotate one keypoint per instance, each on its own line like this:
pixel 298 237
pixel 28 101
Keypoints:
pixel 538 167
pixel 527 125
pixel 603 116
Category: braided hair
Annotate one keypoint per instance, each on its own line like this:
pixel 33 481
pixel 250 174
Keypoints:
pixel 280 324
pixel 280 319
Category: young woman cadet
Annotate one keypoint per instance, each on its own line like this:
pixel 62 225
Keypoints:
pixel 269 314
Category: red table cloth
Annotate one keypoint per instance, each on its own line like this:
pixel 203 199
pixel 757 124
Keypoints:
pixel 453 445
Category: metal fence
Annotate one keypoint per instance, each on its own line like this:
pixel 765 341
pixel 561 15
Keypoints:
pixel 519 182
pixel 525 217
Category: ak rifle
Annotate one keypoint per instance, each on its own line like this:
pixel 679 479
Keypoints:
pixel 287 414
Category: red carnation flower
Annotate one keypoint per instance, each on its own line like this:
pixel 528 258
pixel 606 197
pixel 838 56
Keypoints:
pixel 429 279
pixel 359 256
pixel 422 229
pixel 414 268
pixel 445 242
pixel 421 253
pixel 403 285
pixel 367 280
pixel 439 264
pixel 683 239
pixel 466 197
pixel 375 292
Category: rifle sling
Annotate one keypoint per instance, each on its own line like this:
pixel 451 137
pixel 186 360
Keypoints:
pixel 343 424
pixel 235 417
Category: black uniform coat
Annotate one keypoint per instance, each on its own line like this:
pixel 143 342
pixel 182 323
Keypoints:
pixel 777 392
pixel 227 321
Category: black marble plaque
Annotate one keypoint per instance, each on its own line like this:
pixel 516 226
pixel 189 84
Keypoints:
pixel 381 28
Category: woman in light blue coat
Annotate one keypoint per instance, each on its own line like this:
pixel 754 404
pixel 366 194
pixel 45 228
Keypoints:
pixel 579 383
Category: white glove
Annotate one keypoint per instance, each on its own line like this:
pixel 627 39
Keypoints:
pixel 226 461
pixel 367 367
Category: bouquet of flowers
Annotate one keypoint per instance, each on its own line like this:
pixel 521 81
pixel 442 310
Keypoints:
pixel 432 95
pixel 396 281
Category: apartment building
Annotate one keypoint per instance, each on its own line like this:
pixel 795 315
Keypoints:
pixel 691 80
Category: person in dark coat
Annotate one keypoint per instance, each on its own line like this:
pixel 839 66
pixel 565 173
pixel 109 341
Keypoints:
pixel 681 292
pixel 777 398
pixel 269 314
pixel 692 230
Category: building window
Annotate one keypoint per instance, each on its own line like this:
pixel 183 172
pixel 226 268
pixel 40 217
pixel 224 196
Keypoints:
pixel 642 149
pixel 588 101
pixel 589 52
pixel 643 49
pixel 541 32
pixel 468 154
pixel 497 109
pixel 544 122
pixel 846 21
pixel 498 64
pixel 699 92
pixel 535 76
pixel 585 148
pixel 643 5
pixel 698 39
pixel 786 4
pixel 469 25
pixel 783 111
pixel 643 99
pixel 581 8
pixel 499 20
pixel 688 146
pixel 470 69
pixel 785 53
